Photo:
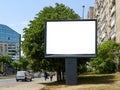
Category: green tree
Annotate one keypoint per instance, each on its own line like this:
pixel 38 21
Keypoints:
pixel 82 65
pixel 105 61
pixel 16 65
pixel 116 56
pixel 33 44
pixel 5 60
pixel 24 63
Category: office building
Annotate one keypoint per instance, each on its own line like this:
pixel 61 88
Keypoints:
pixel 10 42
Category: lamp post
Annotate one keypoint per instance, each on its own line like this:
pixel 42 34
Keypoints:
pixel 83 11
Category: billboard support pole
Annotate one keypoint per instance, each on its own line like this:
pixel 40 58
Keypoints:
pixel 71 71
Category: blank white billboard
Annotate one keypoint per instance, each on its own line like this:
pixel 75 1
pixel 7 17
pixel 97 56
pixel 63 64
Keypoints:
pixel 70 38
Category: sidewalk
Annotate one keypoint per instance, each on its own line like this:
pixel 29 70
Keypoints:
pixel 6 77
pixel 34 85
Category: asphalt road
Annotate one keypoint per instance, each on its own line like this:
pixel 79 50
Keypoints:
pixel 12 82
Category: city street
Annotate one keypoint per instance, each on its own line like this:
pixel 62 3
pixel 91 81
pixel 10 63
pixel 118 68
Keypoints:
pixel 8 82
pixel 11 84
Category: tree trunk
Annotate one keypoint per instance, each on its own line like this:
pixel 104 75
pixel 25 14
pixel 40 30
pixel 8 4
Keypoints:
pixel 59 74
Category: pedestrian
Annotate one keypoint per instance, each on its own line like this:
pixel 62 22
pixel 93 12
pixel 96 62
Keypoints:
pixel 46 76
pixel 51 77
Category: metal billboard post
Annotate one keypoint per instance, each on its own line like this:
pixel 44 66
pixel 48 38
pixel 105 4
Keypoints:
pixel 71 71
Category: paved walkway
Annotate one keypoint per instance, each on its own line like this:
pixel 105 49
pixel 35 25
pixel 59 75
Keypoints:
pixel 35 85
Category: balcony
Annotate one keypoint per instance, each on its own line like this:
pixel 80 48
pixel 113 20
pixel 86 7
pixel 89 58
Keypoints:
pixel 113 2
pixel 103 35
pixel 97 13
pixel 112 10
pixel 103 25
pixel 112 31
pixel 112 23
pixel 112 20
pixel 112 36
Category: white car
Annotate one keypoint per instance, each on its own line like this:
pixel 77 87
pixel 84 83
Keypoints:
pixel 23 75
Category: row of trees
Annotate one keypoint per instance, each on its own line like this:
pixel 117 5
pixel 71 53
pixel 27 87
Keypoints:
pixel 107 61
pixel 23 64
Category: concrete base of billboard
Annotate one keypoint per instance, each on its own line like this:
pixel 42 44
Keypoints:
pixel 71 71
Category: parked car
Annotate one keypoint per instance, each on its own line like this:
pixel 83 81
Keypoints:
pixel 23 75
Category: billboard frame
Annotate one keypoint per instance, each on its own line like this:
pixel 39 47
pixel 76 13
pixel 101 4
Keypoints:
pixel 69 55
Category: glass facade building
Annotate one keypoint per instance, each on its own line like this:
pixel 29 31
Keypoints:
pixel 8 35
pixel 10 42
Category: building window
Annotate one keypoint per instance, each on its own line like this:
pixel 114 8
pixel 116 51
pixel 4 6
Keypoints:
pixel 112 30
pixel 1 47
pixel 5 47
pixel 8 38
pixel 113 17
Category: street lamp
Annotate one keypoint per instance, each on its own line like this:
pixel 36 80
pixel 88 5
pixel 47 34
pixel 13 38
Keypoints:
pixel 83 11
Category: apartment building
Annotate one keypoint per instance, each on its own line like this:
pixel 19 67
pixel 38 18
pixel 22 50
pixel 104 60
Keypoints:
pixel 108 16
pixel 90 14
pixel 9 42
pixel 116 3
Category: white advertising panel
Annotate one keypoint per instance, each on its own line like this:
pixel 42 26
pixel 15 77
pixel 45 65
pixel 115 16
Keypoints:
pixel 70 38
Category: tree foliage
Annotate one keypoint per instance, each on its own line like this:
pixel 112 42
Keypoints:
pixel 25 62
pixel 105 62
pixel 16 65
pixel 33 44
pixel 6 59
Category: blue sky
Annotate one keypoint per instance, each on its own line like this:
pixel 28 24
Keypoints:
pixel 17 13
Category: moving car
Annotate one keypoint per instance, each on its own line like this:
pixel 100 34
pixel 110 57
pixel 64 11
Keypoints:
pixel 23 75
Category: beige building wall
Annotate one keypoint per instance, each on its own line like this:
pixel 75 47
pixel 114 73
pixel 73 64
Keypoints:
pixel 117 20
pixel 102 14
pixel 107 13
